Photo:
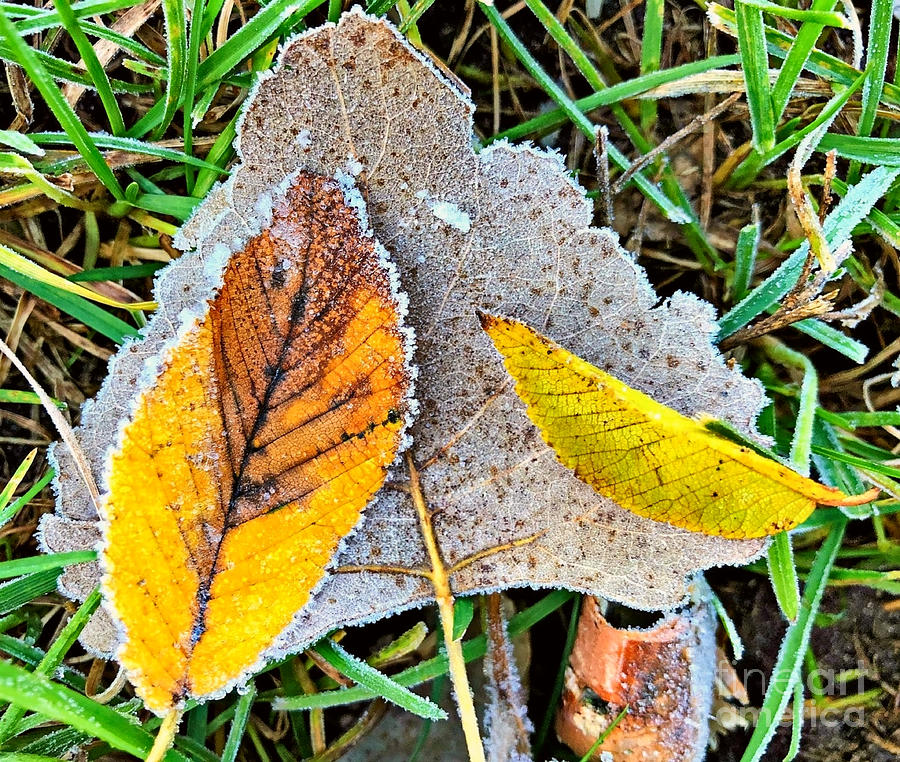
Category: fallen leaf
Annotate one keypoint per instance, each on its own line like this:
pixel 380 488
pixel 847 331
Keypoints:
pixel 504 230
pixel 648 457
pixel 664 674
pixel 268 427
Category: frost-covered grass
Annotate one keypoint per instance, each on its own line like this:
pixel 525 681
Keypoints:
pixel 733 207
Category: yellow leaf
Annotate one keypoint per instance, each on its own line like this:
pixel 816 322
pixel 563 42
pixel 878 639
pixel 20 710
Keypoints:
pixel 647 457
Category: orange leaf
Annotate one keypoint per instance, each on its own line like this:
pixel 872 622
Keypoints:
pixel 269 428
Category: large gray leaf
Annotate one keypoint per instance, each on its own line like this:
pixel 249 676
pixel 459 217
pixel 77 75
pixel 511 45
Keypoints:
pixel 505 230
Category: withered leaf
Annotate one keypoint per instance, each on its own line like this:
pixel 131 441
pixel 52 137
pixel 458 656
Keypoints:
pixel 505 231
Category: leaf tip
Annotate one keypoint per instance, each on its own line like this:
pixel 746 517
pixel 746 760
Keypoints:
pixel 864 497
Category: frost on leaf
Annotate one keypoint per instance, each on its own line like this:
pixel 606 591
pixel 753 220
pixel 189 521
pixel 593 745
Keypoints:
pixel 505 231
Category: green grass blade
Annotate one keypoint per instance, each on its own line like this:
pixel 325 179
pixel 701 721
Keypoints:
pixel 11 510
pixel 878 151
pixel 38 694
pixel 190 80
pixel 853 460
pixel 838 226
pixel 33 564
pixel 796 58
pixel 755 60
pixel 880 22
pixel 34 656
pixel 745 260
pixel 379 7
pixel 790 657
pixel 52 660
pixel 21 397
pixel 94 68
pixel 26 58
pixel 20 142
pixel 180 207
pixel 808 400
pixel 797 724
pixel 463 612
pixel 32 19
pixel 415 13
pixel 377 682
pixel 239 723
pixel 651 53
pixel 219 155
pixel 81 309
pixel 66 71
pixel 175 17
pixel 128 44
pixel 129 144
pixel 407 642
pixel 813 15
pixel 24 589
pixel 589 754
pixel 562 38
pixel 734 638
pixel 125 272
pixel 13 484
pixel 783 575
pixel 210 12
pixel 833 339
pixel 863 418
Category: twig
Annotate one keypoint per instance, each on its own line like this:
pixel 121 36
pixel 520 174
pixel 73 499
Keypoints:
pixel 674 138
pixel 601 154
pixel 444 598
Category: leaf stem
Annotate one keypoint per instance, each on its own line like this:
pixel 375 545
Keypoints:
pixel 444 598
pixel 165 736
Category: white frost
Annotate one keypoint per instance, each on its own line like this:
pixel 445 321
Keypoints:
pixel 452 215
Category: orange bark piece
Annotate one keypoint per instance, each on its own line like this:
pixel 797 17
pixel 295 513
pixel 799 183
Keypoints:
pixel 269 428
pixel 664 675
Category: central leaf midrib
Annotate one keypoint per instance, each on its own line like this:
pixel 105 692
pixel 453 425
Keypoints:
pixel 298 307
